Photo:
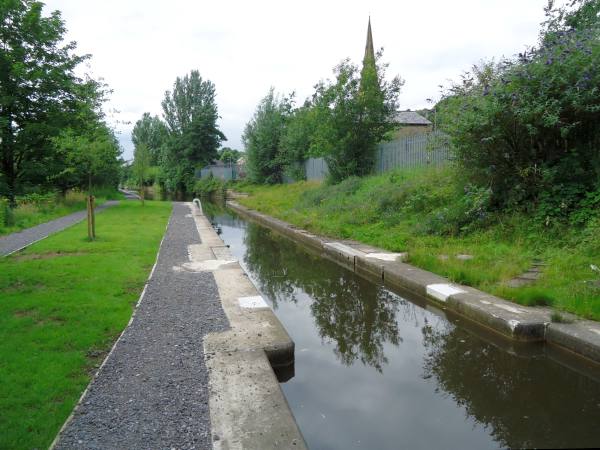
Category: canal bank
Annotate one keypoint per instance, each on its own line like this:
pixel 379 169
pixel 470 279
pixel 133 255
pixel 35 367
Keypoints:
pixel 375 369
pixel 516 322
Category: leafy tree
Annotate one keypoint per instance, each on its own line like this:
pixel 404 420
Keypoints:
pixel 262 137
pixel 141 165
pixel 39 93
pixel 152 132
pixel 298 143
pixel 229 155
pixel 527 127
pixel 190 112
pixel 355 113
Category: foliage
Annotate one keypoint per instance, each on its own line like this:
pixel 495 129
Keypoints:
pixel 396 211
pixel 297 142
pixel 229 155
pixel 262 137
pixel 209 185
pixel 190 113
pixel 527 127
pixel 354 114
pixel 89 159
pixel 152 132
pixel 40 96
pixel 141 165
pixel 64 302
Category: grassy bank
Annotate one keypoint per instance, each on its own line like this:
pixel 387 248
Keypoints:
pixel 35 209
pixel 435 218
pixel 63 302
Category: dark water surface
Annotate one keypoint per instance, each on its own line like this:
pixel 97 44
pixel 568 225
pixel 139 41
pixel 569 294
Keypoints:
pixel 375 370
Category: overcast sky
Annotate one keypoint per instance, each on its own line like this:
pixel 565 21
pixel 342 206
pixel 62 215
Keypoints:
pixel 140 46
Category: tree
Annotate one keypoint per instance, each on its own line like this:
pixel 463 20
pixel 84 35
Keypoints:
pixel 298 141
pixel 152 132
pixel 190 112
pixel 229 155
pixel 39 92
pixel 141 164
pixel 262 136
pixel 354 114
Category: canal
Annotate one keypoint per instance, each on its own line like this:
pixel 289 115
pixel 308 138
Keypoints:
pixel 376 370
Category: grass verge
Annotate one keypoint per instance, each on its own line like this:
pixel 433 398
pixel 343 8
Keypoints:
pixel 38 209
pixel 435 218
pixel 64 300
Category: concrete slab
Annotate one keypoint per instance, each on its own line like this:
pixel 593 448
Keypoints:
pixel 581 337
pixel 341 253
pixel 442 291
pixel 247 407
pixel 509 319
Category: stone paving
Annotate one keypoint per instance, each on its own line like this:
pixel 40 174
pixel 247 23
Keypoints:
pixel 152 390
pixel 18 241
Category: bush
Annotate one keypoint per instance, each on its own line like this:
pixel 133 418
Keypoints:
pixel 209 185
pixel 6 217
pixel 526 128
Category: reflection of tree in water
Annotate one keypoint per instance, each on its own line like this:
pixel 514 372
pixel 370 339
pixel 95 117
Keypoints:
pixel 356 315
pixel 524 402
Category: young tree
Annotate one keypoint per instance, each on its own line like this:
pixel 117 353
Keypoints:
pixel 39 92
pixel 141 164
pixel 262 136
pixel 190 112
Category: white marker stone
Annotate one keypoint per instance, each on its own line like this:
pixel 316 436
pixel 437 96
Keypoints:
pixel 386 256
pixel 442 291
pixel 253 302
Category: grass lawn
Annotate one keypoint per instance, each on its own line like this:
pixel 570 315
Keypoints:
pixel 63 302
pixel 29 214
pixel 397 211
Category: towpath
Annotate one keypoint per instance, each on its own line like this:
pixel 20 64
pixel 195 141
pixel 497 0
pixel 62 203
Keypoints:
pixel 151 391
pixel 18 241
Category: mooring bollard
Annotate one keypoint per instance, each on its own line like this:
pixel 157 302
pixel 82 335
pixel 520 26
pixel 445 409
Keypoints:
pixel 196 202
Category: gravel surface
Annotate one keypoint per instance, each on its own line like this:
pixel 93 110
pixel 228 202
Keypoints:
pixel 152 392
pixel 17 241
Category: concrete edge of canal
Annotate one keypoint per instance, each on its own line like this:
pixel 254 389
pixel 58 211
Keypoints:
pixel 247 407
pixel 513 321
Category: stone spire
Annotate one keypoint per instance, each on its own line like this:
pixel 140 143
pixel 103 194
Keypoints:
pixel 369 52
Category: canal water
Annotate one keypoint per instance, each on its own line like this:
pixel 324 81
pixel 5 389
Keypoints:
pixel 375 370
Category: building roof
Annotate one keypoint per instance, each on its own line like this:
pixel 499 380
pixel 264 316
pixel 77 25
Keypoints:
pixel 411 118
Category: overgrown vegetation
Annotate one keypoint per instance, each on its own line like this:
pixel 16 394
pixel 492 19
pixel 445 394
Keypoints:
pixel 64 302
pixel 436 215
pixel 527 128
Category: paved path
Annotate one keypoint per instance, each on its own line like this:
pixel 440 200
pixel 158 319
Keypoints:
pixel 151 392
pixel 17 241
pixel 130 195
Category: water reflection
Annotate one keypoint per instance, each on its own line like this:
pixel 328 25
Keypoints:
pixel 422 381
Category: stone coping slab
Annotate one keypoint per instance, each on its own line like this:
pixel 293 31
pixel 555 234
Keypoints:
pixel 513 321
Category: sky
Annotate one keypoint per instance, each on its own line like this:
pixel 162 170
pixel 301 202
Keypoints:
pixel 139 47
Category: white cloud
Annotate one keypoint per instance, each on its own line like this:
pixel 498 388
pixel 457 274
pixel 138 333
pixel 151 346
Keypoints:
pixel 140 47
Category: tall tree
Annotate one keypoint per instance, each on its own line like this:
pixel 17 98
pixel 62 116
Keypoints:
pixel 153 133
pixel 39 92
pixel 190 112
pixel 262 137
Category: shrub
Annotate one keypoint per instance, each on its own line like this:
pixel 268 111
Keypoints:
pixel 527 127
pixel 209 185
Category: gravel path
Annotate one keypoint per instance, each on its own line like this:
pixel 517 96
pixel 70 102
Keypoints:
pixel 18 241
pixel 152 393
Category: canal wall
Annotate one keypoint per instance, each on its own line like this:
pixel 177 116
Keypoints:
pixel 510 320
pixel 247 407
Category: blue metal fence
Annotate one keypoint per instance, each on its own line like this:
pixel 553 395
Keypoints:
pixel 223 172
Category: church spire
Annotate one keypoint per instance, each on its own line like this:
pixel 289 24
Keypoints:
pixel 369 52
